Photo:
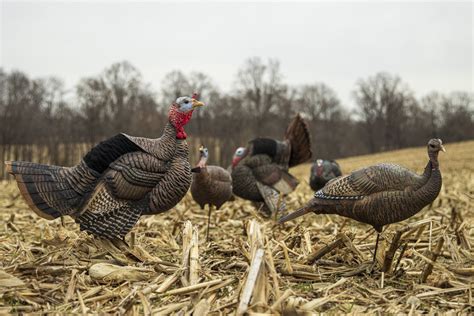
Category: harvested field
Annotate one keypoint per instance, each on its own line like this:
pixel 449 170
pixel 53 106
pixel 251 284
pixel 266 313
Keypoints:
pixel 318 263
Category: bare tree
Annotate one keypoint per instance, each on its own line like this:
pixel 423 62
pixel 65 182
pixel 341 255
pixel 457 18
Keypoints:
pixel 450 116
pixel 458 116
pixel 319 101
pixel 259 85
pixel 112 101
pixel 35 111
pixel 382 101
pixel 201 83
pixel 432 104
pixel 174 85
pixel 327 118
pixel 92 99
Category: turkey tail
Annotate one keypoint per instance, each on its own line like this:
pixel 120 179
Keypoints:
pixel 299 137
pixel 45 188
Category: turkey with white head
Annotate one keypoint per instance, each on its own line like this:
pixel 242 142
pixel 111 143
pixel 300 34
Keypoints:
pixel 260 171
pixel 212 185
pixel 119 180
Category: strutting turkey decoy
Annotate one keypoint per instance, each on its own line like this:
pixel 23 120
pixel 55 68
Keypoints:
pixel 322 171
pixel 119 180
pixel 260 170
pixel 212 185
pixel 378 195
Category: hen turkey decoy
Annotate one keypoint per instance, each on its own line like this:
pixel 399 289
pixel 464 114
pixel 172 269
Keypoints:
pixel 119 180
pixel 212 185
pixel 378 195
pixel 322 171
pixel 260 170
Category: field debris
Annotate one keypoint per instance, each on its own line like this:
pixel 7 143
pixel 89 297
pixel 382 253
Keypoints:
pixel 250 265
pixel 108 273
pixel 8 280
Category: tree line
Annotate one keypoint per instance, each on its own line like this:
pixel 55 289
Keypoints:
pixel 41 112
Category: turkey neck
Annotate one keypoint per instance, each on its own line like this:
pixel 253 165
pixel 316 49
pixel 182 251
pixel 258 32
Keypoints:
pixel 434 159
pixel 432 164
pixel 168 142
pixel 169 132
pixel 428 192
pixel 203 175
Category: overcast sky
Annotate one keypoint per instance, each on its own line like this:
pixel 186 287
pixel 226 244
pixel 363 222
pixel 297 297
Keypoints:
pixel 428 44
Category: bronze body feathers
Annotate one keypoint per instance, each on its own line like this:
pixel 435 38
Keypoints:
pixel 119 180
pixel 212 186
pixel 379 195
pixel 260 171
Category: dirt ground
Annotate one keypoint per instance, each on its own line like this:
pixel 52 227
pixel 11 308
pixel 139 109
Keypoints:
pixel 318 263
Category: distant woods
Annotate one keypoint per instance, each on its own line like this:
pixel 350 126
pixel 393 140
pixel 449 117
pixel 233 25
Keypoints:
pixel 41 121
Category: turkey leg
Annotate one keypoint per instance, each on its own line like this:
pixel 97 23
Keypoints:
pixel 208 221
pixel 375 251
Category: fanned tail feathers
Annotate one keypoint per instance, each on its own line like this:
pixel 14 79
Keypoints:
pixel 298 135
pixel 43 189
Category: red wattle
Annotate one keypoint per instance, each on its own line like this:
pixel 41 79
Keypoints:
pixel 319 171
pixel 235 161
pixel 181 134
pixel 178 120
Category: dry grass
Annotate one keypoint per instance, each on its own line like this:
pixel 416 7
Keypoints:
pixel 317 263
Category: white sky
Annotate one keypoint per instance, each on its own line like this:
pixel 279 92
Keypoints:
pixel 429 44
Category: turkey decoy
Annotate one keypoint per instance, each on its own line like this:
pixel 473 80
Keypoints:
pixel 212 185
pixel 378 195
pixel 322 171
pixel 260 170
pixel 119 180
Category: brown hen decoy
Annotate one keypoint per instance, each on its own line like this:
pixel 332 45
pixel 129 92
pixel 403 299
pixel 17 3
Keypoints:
pixel 212 185
pixel 260 170
pixel 119 180
pixel 378 195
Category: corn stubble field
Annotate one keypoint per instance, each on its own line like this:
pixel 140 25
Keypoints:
pixel 318 263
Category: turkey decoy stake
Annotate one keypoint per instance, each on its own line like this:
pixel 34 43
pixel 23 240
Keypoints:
pixel 260 170
pixel 212 185
pixel 119 180
pixel 378 195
